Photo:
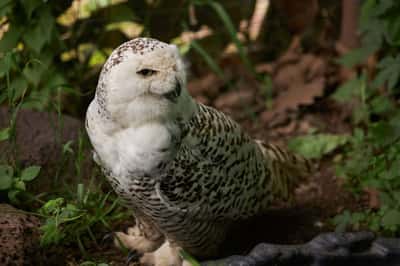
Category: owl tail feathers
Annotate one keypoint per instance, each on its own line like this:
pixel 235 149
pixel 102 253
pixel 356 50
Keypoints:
pixel 287 169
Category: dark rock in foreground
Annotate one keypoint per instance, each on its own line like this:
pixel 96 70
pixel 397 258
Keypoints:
pixel 329 249
pixel 19 237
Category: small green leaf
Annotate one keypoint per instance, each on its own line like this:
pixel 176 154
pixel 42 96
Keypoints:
pixel 12 195
pixel 348 90
pixel 51 233
pixel 356 56
pixel 5 182
pixel 52 206
pixel 66 148
pixel 4 134
pixel 381 104
pixel 20 185
pixel 30 173
pixel 6 176
pixel 389 72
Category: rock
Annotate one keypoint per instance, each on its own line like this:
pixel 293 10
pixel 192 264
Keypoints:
pixel 40 137
pixel 328 249
pixel 19 237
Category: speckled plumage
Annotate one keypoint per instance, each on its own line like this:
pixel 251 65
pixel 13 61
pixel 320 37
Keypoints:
pixel 199 172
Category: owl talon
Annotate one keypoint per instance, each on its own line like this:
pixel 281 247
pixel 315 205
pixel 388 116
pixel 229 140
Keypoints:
pixel 133 256
pixel 107 238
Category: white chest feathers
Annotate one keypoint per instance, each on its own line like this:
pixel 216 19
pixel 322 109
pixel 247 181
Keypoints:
pixel 130 151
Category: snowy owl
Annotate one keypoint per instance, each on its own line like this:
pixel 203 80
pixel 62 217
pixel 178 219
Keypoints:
pixel 186 170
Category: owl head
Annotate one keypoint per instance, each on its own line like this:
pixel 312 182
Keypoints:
pixel 144 80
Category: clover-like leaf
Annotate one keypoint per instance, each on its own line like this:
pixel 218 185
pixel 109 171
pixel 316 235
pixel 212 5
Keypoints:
pixel 30 173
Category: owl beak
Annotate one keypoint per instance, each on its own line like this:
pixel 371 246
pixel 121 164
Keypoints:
pixel 175 93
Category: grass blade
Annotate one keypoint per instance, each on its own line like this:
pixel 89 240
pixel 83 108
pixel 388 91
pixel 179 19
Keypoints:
pixel 209 60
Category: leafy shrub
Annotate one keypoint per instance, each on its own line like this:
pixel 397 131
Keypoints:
pixel 372 159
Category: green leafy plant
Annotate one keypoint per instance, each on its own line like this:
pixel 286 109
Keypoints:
pixel 75 220
pixel 15 183
pixel 27 68
pixel 372 158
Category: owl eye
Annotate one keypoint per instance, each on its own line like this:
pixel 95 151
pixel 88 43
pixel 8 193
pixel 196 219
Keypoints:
pixel 145 72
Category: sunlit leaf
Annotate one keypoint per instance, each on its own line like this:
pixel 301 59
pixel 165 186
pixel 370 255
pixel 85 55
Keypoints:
pixel 97 58
pixel 128 28
pixel 52 206
pixel 315 146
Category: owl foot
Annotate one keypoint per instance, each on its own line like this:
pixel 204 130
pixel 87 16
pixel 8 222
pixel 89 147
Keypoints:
pixel 136 240
pixel 166 255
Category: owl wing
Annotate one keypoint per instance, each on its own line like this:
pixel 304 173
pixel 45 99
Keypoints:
pixel 219 171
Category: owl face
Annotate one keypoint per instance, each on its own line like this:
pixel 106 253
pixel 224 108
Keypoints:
pixel 144 79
